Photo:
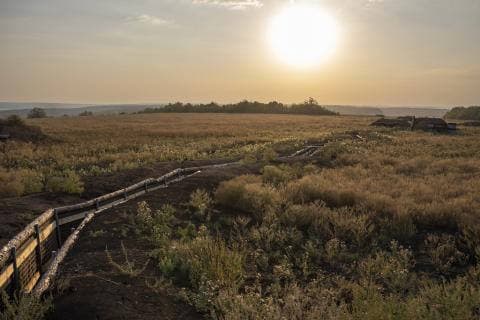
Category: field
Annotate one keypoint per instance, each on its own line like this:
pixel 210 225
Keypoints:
pixel 91 146
pixel 380 224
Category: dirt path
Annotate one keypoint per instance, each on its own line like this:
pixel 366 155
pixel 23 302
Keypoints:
pixel 16 213
pixel 89 286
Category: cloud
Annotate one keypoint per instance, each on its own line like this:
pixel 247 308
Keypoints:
pixel 232 4
pixel 148 19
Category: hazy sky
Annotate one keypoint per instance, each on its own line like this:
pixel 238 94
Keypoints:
pixel 391 52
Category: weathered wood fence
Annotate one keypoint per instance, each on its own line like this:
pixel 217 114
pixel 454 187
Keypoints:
pixel 29 261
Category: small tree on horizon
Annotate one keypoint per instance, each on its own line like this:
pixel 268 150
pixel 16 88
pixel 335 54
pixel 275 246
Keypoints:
pixel 36 113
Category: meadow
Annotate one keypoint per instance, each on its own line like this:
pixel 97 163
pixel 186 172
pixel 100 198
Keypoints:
pixel 380 224
pixel 77 147
pixel 385 227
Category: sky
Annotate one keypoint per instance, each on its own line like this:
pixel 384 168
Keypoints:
pixel 389 52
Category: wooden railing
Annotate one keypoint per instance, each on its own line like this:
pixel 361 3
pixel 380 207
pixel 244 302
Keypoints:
pixel 31 258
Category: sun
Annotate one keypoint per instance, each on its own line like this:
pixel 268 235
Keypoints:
pixel 303 36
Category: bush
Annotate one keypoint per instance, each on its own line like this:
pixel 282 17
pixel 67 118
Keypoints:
pixel 392 269
pixel 14 120
pixel 37 113
pixel 204 259
pixel 66 182
pixel 276 175
pixel 443 253
pixel 11 185
pixel 24 307
pixel 32 181
pixel 269 155
pixel 316 187
pixel 459 299
pixel 200 201
pixel 246 193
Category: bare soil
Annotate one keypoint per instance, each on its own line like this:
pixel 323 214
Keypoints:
pixel 89 287
pixel 16 213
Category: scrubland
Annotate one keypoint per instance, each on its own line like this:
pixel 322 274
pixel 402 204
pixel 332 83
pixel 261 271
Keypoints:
pixel 90 146
pixel 381 228
pixel 380 224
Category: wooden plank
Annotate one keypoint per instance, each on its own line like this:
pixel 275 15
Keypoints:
pixel 72 218
pixel 6 275
pixel 19 240
pixel 25 253
pixel 31 284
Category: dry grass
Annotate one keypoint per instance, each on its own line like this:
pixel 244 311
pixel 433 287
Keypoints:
pixel 90 146
pixel 381 228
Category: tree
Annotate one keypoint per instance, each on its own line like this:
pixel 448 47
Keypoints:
pixel 311 102
pixel 37 113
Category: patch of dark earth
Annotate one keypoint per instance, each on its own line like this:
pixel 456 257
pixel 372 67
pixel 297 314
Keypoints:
pixel 16 213
pixel 89 287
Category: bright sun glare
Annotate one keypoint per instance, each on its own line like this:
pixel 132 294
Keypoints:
pixel 303 36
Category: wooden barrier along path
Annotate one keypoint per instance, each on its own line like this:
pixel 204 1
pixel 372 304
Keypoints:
pixel 29 261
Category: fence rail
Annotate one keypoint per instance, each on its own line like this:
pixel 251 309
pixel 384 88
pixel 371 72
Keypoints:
pixel 29 261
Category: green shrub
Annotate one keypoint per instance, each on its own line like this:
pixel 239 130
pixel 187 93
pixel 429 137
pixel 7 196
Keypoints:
pixel 246 193
pixel 392 269
pixel 443 253
pixel 144 218
pixel 24 307
pixel 161 229
pixel 32 181
pixel 65 182
pixel 201 202
pixel 458 299
pixel 204 259
pixel 11 185
pixel 276 175
pixel 336 252
pixel 316 187
pixel 269 155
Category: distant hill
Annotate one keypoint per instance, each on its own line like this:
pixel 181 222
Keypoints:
pixel 356 111
pixel 418 112
pixel 60 109
pixel 462 113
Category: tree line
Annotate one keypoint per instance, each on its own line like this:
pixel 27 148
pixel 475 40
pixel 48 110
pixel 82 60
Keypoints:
pixel 308 107
pixel 462 113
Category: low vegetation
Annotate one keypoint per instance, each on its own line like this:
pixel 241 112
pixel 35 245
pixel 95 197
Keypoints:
pixel 310 107
pixel 381 228
pixel 462 113
pixel 81 147
pixel 24 307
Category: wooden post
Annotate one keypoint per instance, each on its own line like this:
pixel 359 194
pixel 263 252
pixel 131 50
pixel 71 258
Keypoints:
pixel 16 275
pixel 97 204
pixel 38 250
pixel 58 233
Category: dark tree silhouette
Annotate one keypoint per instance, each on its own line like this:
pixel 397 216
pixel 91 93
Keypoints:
pixel 37 113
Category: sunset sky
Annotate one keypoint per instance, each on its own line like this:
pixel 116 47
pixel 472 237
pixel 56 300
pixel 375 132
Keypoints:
pixel 388 52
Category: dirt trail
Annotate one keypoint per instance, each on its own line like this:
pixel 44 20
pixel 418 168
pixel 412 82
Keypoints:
pixel 16 213
pixel 89 286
